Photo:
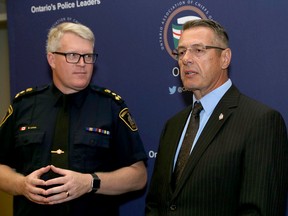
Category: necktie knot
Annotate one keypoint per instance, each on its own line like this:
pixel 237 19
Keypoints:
pixel 197 109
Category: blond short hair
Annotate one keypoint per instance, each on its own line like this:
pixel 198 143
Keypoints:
pixel 56 33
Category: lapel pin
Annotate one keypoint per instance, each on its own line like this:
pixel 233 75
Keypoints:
pixel 221 116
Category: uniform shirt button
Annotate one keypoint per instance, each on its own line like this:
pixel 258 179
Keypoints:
pixel 173 207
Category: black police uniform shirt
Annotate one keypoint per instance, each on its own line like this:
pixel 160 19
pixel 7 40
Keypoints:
pixel 103 137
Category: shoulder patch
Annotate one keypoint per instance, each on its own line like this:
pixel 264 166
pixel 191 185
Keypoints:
pixel 109 93
pixel 126 117
pixel 9 113
pixel 29 91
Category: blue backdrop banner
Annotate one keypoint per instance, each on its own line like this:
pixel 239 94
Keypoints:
pixel 134 40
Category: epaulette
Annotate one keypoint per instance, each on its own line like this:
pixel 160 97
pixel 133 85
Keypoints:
pixel 109 93
pixel 30 91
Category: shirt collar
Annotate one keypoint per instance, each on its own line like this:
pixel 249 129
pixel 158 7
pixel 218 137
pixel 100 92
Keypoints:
pixel 210 100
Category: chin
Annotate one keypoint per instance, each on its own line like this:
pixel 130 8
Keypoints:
pixel 80 87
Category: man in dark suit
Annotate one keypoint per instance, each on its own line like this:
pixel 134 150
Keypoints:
pixel 238 162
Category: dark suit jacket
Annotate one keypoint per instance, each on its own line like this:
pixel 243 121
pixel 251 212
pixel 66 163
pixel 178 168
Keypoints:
pixel 239 165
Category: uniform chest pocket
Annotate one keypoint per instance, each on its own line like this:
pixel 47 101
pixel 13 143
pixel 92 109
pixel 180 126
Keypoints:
pixel 92 140
pixel 23 139
pixel 90 151
pixel 28 146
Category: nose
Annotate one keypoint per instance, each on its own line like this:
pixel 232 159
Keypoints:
pixel 187 58
pixel 81 61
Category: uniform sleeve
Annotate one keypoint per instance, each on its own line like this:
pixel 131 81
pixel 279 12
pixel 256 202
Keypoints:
pixel 7 138
pixel 126 140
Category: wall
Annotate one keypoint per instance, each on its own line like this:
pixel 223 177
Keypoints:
pixel 135 55
pixel 5 200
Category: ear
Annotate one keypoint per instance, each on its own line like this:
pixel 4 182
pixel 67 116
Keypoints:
pixel 51 59
pixel 226 56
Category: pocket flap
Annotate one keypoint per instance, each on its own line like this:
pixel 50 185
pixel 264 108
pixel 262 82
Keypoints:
pixel 29 138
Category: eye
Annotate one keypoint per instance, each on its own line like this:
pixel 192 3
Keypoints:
pixel 181 52
pixel 88 56
pixel 199 50
pixel 72 55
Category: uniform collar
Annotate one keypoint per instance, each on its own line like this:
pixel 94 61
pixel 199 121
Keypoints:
pixel 77 98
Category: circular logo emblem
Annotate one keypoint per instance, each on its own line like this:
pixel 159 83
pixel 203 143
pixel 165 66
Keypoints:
pixel 173 20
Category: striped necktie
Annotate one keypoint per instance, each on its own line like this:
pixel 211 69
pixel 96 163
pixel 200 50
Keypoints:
pixel 187 142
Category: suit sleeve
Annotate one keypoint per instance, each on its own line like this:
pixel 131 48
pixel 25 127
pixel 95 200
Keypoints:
pixel 265 172
pixel 152 198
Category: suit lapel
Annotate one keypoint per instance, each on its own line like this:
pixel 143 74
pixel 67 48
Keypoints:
pixel 220 115
pixel 174 139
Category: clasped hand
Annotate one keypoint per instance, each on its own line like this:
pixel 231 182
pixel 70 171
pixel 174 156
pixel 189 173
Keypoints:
pixel 68 186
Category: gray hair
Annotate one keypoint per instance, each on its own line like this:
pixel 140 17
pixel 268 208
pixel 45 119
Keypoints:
pixel 219 31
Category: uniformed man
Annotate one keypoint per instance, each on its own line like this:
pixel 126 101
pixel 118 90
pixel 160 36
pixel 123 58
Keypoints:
pixel 100 154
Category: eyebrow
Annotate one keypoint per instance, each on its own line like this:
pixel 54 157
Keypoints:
pixel 196 44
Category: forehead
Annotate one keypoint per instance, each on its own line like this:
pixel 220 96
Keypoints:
pixel 72 42
pixel 197 35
